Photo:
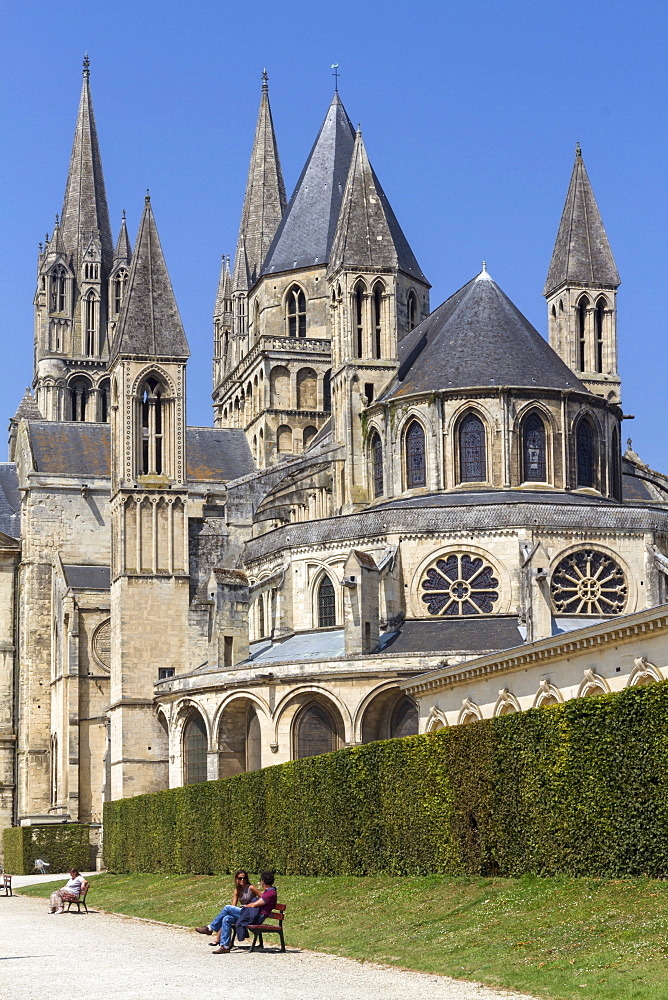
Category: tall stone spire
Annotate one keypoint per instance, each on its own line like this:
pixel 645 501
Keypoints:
pixel 85 210
pixel 582 254
pixel 264 202
pixel 150 324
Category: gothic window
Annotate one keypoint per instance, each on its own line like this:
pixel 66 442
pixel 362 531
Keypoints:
pixel 79 390
pixel 58 289
pixel 119 284
pixel 256 320
pixel 104 401
pixel 458 585
pixel 589 583
pixel 326 603
pixel 599 319
pixel 316 732
pixel 472 450
pixel 533 444
pixel 260 609
pixel 91 312
pixel 54 769
pixel 284 440
pixel 404 720
pixel 412 310
pixel 253 742
pixel 358 304
pixel 151 399
pixel 416 468
pixel 615 478
pixel 583 305
pixel 377 303
pixel 376 452
pixel 585 453
pixel 296 312
pixel 194 750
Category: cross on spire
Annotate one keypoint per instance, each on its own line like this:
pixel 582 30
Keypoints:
pixel 86 66
pixel 336 75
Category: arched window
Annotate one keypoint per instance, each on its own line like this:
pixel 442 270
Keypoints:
pixel 327 391
pixel 284 440
pixel 90 324
pixel 253 742
pixel 376 452
pixel 79 389
pixel 326 603
pixel 307 391
pixel 583 306
pixel 377 303
pixel 358 333
pixel 412 310
pixel 585 453
pixel 58 289
pixel 152 419
pixel 104 401
pixel 599 320
pixel 256 320
pixel 404 720
pixel 472 450
pixel 416 468
pixel 194 750
pixel 309 434
pixel 296 312
pixel 260 619
pixel 615 463
pixel 316 732
pixel 533 450
pixel 119 285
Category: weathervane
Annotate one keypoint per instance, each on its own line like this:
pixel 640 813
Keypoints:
pixel 336 74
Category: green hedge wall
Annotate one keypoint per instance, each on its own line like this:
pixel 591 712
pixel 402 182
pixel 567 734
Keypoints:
pixel 63 845
pixel 580 788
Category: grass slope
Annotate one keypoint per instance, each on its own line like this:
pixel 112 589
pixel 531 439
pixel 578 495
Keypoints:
pixel 553 937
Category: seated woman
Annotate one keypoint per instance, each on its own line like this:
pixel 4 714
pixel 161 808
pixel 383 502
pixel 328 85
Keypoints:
pixel 69 893
pixel 244 893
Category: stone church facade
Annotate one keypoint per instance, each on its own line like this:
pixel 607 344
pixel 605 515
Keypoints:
pixel 386 490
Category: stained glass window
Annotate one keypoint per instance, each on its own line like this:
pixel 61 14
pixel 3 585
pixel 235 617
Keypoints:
pixel 194 751
pixel 472 452
pixel 534 449
pixel 589 583
pixel 416 472
pixel 585 454
pixel 460 584
pixel 377 465
pixel 326 604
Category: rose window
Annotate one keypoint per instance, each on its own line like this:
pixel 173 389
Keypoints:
pixel 460 585
pixel 589 583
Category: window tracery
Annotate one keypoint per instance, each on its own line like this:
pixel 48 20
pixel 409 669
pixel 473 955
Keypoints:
pixel 377 303
pixel 359 296
pixel 296 312
pixel 534 456
pixel 151 403
pixel 460 584
pixel 472 450
pixel 326 603
pixel 589 582
pixel 316 732
pixel 416 470
pixel 194 750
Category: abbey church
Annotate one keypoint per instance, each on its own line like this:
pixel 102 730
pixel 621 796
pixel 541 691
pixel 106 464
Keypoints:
pixel 394 506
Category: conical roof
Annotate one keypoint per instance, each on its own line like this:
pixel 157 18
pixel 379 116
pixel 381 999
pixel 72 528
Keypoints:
pixel 582 254
pixel 477 338
pixel 367 234
pixel 264 201
pixel 28 408
pixel 85 208
pixel 123 252
pixel 306 234
pixel 150 324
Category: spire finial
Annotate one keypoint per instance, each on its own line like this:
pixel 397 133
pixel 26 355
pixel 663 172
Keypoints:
pixel 86 66
pixel 336 74
pixel 147 199
pixel 57 220
pixel 123 216
pixel 359 130
pixel 578 151
pixel 484 265
pixel 265 81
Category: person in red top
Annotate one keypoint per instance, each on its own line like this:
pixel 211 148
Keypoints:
pixel 252 913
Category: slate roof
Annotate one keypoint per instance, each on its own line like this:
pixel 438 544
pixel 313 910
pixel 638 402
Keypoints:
pixel 477 337
pixel 305 235
pixel 150 324
pixel 88 577
pixel 264 201
pixel 85 208
pixel 10 501
pixel 582 254
pixel 443 635
pixel 28 408
pixel 482 498
pixel 368 235
pixel 123 251
pixel 217 453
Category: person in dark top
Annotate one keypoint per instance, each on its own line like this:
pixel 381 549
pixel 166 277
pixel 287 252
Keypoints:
pixel 252 913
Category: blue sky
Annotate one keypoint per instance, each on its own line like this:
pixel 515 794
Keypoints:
pixel 470 112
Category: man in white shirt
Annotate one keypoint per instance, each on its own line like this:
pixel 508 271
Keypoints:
pixel 68 893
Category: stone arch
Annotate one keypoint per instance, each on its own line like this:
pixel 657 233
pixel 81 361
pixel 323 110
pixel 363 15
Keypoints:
pixel 437 720
pixel 375 463
pixel 194 740
pixel 292 701
pixel 153 371
pixel 308 435
pixel 469 712
pixel 643 673
pixel 587 438
pixel 284 440
pixel 592 684
pixel 279 388
pixel 317 728
pixel 239 736
pixel 547 695
pixel 506 703
pixel 79 390
pixel 325 601
pixel 386 713
pixel 307 389
pixel 412 310
pixel 534 441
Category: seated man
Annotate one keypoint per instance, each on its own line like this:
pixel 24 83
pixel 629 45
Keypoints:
pixel 69 893
pixel 229 915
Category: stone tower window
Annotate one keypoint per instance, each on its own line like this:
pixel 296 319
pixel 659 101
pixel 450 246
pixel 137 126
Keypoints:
pixel 296 312
pixel 589 583
pixel 599 320
pixel 460 585
pixel 119 290
pixel 79 389
pixel 583 306
pixel 326 603
pixel 376 451
pixel 585 453
pixel 194 750
pixel 91 316
pixel 533 450
pixel 377 304
pixel 58 289
pixel 104 401
pixel 412 310
pixel 472 450
pixel 358 303
pixel 416 467
pixel 151 400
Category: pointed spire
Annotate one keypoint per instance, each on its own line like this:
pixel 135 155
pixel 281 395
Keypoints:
pixel 85 206
pixel 306 233
pixel 27 408
pixel 224 285
pixel 368 234
pixel 56 244
pixel 150 324
pixel 264 202
pixel 123 252
pixel 582 254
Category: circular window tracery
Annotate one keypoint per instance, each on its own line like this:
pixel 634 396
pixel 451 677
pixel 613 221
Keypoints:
pixel 460 584
pixel 101 644
pixel 589 583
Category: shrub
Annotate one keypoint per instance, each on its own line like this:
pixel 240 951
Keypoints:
pixel 63 845
pixel 579 788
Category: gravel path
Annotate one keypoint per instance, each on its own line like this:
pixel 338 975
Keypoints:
pixel 107 957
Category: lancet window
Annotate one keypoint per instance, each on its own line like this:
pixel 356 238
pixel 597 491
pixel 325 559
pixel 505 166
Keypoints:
pixel 599 320
pixel 326 603
pixel 583 306
pixel 296 312
pixel 472 450
pixel 377 303
pixel 376 452
pixel 412 310
pixel 91 319
pixel 58 289
pixel 358 302
pixel 416 466
pixel 534 451
pixel 152 407
pixel 585 453
pixel 194 750
pixel 119 286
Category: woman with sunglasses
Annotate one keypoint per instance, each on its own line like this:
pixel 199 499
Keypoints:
pixel 244 893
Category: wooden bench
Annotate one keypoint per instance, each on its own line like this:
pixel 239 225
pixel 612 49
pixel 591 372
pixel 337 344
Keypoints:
pixel 278 913
pixel 6 886
pixel 81 901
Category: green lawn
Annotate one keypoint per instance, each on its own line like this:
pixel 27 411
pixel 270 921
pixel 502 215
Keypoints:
pixel 553 937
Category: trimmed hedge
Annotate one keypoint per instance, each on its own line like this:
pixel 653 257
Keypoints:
pixel 63 845
pixel 579 788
